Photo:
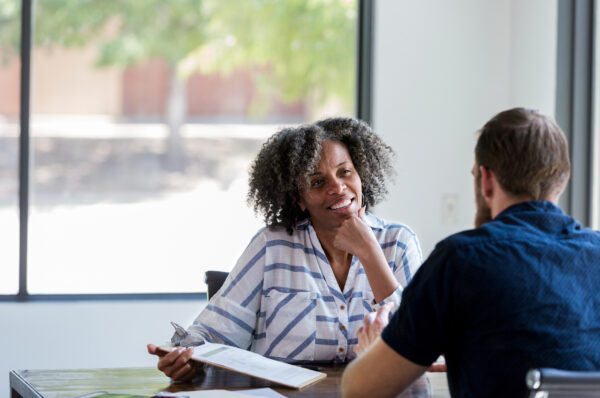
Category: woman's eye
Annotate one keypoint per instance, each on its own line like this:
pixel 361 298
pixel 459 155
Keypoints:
pixel 316 183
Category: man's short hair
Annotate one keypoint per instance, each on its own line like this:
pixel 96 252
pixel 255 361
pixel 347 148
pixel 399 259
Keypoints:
pixel 527 151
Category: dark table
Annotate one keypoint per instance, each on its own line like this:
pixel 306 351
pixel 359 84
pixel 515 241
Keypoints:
pixel 148 381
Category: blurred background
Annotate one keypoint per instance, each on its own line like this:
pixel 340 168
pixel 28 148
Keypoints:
pixel 145 116
pixel 144 119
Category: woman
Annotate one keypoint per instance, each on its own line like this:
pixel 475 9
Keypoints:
pixel 305 282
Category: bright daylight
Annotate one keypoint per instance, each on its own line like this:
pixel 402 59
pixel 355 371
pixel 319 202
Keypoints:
pixel 142 134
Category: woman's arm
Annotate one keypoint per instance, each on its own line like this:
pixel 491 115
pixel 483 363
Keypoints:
pixel 230 316
pixel 356 237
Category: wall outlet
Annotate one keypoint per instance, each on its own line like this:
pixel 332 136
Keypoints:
pixel 450 209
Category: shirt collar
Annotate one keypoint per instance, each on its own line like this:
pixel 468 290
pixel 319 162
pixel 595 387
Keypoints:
pixel 535 205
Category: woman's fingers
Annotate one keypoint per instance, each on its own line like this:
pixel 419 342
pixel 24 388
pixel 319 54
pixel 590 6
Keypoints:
pixel 169 359
pixel 186 372
pixel 174 363
pixel 361 212
pixel 352 234
pixel 154 350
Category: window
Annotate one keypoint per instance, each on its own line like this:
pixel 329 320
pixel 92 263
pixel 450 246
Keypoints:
pixel 9 149
pixel 576 104
pixel 144 119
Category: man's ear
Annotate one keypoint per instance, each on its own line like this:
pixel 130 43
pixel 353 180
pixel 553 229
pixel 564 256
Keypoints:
pixel 488 180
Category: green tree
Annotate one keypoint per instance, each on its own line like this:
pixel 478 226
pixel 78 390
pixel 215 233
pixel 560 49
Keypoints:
pixel 304 48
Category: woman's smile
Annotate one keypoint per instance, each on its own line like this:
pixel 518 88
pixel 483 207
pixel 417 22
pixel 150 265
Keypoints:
pixel 342 205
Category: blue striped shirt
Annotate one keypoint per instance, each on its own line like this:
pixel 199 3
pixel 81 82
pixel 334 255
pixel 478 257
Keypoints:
pixel 282 299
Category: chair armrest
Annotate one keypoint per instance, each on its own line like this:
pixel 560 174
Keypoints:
pixel 548 379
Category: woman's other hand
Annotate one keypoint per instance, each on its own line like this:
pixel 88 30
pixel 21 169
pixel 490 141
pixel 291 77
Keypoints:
pixel 175 364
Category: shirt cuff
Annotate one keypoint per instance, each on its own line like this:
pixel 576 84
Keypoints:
pixel 395 298
pixel 192 337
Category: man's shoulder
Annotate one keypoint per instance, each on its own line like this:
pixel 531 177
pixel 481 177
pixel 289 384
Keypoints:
pixel 465 246
pixel 500 243
pixel 467 237
pixel 495 232
pixel 500 232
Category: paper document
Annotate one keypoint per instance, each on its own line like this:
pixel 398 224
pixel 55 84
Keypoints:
pixel 261 392
pixel 202 394
pixel 256 392
pixel 252 364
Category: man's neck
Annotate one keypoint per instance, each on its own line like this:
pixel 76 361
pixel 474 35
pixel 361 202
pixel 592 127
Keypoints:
pixel 505 200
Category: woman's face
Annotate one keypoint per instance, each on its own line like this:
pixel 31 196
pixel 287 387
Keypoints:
pixel 334 192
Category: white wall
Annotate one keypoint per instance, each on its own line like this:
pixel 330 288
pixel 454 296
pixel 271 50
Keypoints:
pixel 533 54
pixel 68 335
pixel 442 68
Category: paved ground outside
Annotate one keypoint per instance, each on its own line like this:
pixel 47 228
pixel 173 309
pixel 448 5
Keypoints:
pixel 107 216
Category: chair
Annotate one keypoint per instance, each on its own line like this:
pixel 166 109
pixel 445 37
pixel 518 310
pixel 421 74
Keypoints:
pixel 555 383
pixel 214 280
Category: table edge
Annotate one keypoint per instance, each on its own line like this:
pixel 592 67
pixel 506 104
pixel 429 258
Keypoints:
pixel 21 386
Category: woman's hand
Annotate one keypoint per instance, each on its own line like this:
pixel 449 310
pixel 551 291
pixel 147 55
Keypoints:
pixel 176 364
pixel 355 235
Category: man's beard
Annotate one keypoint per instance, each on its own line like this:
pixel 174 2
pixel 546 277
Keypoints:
pixel 484 213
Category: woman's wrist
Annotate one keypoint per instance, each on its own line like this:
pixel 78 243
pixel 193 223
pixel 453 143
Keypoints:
pixel 370 252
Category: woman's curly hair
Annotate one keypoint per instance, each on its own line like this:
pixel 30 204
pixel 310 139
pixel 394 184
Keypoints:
pixel 287 158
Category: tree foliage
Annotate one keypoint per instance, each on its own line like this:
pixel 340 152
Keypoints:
pixel 299 48
pixel 306 47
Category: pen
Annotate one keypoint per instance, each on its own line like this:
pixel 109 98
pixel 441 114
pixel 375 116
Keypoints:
pixel 180 335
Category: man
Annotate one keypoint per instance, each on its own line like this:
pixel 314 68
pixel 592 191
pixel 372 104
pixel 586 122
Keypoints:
pixel 522 290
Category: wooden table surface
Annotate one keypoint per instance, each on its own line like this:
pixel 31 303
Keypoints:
pixel 148 381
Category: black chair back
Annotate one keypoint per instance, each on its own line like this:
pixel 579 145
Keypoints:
pixel 555 383
pixel 214 280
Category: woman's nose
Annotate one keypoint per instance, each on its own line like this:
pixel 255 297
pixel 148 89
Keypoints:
pixel 336 186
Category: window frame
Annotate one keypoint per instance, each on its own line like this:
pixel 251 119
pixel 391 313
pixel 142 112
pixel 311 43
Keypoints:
pixel 575 82
pixel 364 61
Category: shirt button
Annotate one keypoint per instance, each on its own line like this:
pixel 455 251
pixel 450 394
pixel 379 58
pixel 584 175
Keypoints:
pixel 343 327
pixel 342 307
pixel 340 349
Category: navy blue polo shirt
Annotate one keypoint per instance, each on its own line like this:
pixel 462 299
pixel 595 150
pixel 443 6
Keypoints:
pixel 522 291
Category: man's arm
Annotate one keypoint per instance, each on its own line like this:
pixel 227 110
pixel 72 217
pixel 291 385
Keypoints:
pixel 379 372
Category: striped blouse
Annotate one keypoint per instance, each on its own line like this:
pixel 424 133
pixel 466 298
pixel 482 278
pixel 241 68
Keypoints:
pixel 282 299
